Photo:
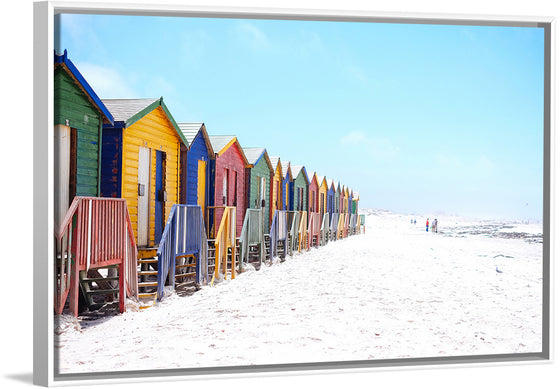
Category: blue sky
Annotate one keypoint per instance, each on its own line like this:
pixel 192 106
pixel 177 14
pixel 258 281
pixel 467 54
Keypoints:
pixel 426 119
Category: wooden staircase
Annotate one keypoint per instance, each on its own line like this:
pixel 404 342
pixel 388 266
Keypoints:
pixel 185 275
pixel 147 281
pixel 98 290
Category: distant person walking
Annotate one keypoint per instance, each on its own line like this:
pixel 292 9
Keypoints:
pixel 435 225
pixel 427 224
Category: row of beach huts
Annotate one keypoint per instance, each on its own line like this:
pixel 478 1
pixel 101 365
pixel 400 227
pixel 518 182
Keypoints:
pixel 143 202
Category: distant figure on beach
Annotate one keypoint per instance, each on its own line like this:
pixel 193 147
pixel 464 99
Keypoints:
pixel 435 225
pixel 410 221
pixel 427 224
pixel 414 221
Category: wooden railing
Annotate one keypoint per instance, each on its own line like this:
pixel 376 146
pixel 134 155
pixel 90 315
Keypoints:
pixel 340 227
pixel 314 228
pixel 334 225
pixel 184 235
pixel 302 232
pixel 96 232
pixel 225 240
pixel 353 221
pixel 252 233
pixel 324 230
pixel 294 218
pixel 278 232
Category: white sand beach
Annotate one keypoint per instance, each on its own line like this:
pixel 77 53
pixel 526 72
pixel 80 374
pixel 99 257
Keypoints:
pixel 396 291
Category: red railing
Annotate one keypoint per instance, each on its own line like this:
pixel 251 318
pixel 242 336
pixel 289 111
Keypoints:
pixel 96 232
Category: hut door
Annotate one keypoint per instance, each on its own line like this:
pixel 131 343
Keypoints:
pixel 62 172
pixel 202 185
pixel 143 191
pixel 161 196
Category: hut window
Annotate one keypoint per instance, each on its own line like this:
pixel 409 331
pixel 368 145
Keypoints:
pixel 234 188
pixel 225 187
pixel 263 191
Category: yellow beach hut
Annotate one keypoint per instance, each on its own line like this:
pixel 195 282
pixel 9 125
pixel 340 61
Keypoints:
pixel 140 163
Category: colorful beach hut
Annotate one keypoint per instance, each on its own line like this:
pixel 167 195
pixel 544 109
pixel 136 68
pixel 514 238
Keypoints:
pixel 299 188
pixel 90 232
pixel 140 163
pixel 257 179
pixel 286 184
pixel 323 188
pixel 195 167
pixel 79 115
pixel 276 186
pixel 344 200
pixel 350 194
pixel 313 215
pixel 229 179
pixel 355 199
pixel 313 203
pixel 330 197
pixel 337 193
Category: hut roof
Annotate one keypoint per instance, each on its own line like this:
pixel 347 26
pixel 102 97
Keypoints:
pixel 286 168
pixel 128 111
pixel 310 177
pixel 191 130
pixel 123 109
pixel 330 183
pixel 275 161
pixel 220 143
pixel 254 155
pixel 62 60
pixel 297 169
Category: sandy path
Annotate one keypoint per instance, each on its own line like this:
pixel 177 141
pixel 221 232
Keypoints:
pixel 394 292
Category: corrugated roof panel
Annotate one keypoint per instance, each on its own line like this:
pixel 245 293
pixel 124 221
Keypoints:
pixel 285 166
pixel 274 162
pixel 296 169
pixel 253 154
pixel 218 142
pixel 190 130
pixel 123 109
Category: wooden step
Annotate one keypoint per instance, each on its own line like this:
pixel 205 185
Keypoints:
pixel 184 275
pixel 147 273
pixel 147 284
pixel 100 279
pixel 147 260
pixel 147 295
pixel 102 291
pixel 185 265
pixel 147 252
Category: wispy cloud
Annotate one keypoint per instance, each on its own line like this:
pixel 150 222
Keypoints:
pixel 81 34
pixel 107 82
pixel 252 35
pixel 356 73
